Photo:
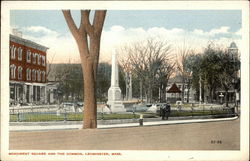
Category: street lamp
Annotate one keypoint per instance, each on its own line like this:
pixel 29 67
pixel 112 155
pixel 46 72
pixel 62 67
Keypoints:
pixel 221 97
pixel 233 51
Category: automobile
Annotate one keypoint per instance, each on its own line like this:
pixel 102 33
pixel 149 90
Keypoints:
pixel 159 106
pixel 68 106
pixel 79 104
pixel 65 104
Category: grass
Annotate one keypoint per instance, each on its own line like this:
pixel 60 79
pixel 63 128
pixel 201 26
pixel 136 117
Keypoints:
pixel 196 113
pixel 117 116
pixel 149 115
pixel 33 117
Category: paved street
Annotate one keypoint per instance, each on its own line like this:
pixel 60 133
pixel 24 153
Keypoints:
pixel 224 135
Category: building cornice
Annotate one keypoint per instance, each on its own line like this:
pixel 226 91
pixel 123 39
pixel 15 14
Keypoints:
pixel 28 43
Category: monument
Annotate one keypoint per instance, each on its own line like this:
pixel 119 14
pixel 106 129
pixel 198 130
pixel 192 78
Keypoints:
pixel 114 92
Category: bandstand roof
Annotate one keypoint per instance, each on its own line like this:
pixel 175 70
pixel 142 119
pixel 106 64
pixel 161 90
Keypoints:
pixel 174 89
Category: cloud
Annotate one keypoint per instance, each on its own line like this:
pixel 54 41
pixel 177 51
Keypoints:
pixel 221 30
pixel 212 33
pixel 239 32
pixel 65 48
pixel 39 29
pixel 117 28
pixel 198 39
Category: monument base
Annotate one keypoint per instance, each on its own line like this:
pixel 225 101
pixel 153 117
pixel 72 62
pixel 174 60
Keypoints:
pixel 116 106
pixel 114 100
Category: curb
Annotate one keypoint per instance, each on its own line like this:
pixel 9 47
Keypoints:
pixel 155 123
pixel 172 122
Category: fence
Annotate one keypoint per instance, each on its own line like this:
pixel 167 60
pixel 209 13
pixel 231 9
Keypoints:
pixel 55 113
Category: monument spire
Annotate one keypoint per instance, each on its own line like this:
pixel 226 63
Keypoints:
pixel 115 71
pixel 114 92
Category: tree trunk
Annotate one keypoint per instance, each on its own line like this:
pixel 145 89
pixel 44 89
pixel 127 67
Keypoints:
pixel 88 38
pixel 141 90
pixel 90 105
pixel 226 97
pixel 212 96
pixel 127 85
pixel 163 93
pixel 183 90
pixel 188 91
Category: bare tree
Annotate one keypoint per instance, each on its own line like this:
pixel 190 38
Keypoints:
pixel 183 52
pixel 164 72
pixel 147 59
pixel 49 65
pixel 127 68
pixel 88 38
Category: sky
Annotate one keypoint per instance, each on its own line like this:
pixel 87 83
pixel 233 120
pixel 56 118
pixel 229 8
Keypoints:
pixel 193 27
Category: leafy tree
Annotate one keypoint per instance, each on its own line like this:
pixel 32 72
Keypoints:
pixel 216 68
pixel 228 70
pixel 103 81
pixel 70 79
pixel 192 65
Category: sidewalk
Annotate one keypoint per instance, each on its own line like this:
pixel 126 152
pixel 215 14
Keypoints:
pixel 78 124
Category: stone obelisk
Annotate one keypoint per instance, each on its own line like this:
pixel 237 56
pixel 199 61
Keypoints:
pixel 114 92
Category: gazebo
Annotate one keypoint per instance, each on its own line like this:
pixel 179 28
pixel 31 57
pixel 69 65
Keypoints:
pixel 174 94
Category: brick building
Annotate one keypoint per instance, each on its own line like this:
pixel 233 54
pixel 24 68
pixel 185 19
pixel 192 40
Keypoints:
pixel 27 71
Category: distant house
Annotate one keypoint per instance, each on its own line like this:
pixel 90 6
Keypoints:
pixel 27 72
pixel 52 92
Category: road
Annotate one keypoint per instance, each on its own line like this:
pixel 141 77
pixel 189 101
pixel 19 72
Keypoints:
pixel 224 135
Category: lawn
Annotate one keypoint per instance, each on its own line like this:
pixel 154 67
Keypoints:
pixel 44 117
pixel 31 117
pixel 196 113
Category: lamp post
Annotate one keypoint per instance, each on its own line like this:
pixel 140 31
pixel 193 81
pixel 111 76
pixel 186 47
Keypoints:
pixel 233 51
pixel 221 97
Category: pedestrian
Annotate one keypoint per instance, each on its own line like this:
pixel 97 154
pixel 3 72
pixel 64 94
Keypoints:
pixel 163 112
pixel 168 109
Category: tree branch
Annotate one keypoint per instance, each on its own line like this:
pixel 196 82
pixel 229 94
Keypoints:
pixel 85 23
pixel 98 21
pixel 71 24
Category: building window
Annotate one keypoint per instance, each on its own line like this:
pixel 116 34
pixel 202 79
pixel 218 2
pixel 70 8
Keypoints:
pixel 13 52
pixel 43 76
pixel 28 56
pixel 13 71
pixel 34 58
pixel 28 74
pixel 20 70
pixel 20 53
pixel 43 60
pixel 38 75
pixel 38 59
pixel 34 75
